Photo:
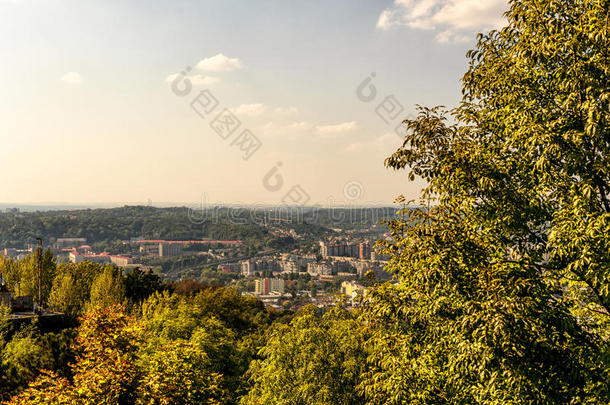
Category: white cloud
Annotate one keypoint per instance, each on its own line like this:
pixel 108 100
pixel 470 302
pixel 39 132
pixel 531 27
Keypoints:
pixel 285 110
pixel 258 109
pixel 251 110
pixel 219 63
pixel 72 78
pixel 196 80
pixel 455 20
pixel 301 126
pixel 306 128
pixel 329 130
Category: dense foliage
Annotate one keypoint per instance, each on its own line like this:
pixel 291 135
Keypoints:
pixel 106 228
pixel 184 349
pixel 107 225
pixel 312 360
pixel 501 292
pixel 504 286
pixel 71 288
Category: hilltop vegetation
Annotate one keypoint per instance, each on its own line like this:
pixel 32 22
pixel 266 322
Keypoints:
pixel 105 228
pixel 107 225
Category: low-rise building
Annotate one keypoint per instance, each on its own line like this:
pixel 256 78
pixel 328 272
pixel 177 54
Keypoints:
pixel 339 249
pixel 101 258
pixel 84 249
pixel 170 249
pixel 121 261
pixel 9 252
pixel 250 267
pixel 247 268
pixel 289 266
pixel 149 250
pixel 61 243
pixel 230 267
pixel 264 286
pixel 351 289
pixel 345 275
pixel 317 269
pixel 75 257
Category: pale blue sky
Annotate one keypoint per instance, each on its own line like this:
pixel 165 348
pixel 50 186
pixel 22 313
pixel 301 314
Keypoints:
pixel 87 114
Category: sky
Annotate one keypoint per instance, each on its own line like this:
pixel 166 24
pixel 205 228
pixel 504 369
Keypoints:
pixel 231 102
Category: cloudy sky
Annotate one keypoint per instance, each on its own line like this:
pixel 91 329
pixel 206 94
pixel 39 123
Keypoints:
pixel 241 101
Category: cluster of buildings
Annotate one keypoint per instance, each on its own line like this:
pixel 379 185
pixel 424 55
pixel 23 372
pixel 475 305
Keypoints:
pixel 16 253
pixel 344 248
pixel 353 291
pixel 342 261
pixel 266 286
pixel 285 263
pixel 271 292
pixel 175 248
pixel 61 245
pixel 77 250
pixel 336 260
pixel 84 253
pixel 339 249
pixel 79 255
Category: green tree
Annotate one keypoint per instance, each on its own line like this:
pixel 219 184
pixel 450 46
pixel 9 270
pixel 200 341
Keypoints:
pixel 48 389
pixel 503 283
pixel 23 356
pixel 179 373
pixel 65 296
pixel 104 371
pixel 139 285
pixel 21 276
pixel 168 319
pixel 9 271
pixel 312 360
pixel 71 289
pixel 107 288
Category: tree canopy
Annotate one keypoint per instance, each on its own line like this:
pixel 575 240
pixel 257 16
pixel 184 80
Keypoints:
pixel 503 285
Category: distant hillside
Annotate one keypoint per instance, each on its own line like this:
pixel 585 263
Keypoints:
pixel 107 225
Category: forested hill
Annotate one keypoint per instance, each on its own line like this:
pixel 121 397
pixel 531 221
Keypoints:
pixel 178 223
pixel 102 225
